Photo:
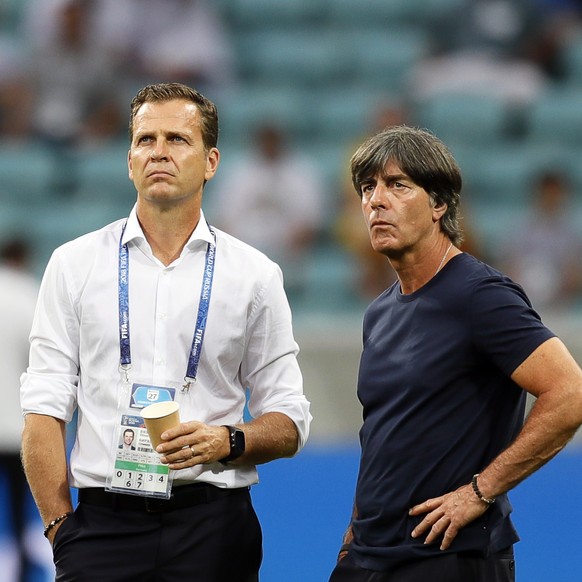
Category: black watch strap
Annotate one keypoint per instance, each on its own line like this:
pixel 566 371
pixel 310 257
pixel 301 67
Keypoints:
pixel 236 439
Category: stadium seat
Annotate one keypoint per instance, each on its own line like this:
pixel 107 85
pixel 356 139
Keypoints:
pixel 463 118
pixel 103 174
pixel 330 282
pixel 249 14
pixel 63 220
pixel 570 60
pixel 243 110
pixel 380 57
pixel 356 12
pixel 556 117
pixel 503 174
pixel 492 223
pixel 14 218
pixel 289 57
pixel 26 171
pixel 344 115
pixel 571 157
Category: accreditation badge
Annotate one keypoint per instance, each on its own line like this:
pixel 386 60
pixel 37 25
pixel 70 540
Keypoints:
pixel 136 468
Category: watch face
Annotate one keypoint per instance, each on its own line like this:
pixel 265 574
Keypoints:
pixel 237 444
pixel 237 441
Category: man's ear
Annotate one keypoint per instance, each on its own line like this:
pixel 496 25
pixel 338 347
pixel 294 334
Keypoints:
pixel 438 210
pixel 212 161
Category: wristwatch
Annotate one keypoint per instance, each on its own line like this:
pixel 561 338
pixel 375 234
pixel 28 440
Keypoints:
pixel 237 444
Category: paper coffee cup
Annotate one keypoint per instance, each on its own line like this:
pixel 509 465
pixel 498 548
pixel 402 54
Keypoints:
pixel 159 417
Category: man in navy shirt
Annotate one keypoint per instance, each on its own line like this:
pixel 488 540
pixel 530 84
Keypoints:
pixel 449 353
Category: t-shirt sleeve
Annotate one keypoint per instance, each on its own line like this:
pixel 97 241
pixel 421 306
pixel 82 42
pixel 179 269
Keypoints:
pixel 505 325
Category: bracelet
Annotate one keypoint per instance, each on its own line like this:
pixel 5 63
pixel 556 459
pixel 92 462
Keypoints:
pixel 55 521
pixel 478 492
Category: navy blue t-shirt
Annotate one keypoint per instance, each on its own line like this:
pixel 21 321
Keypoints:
pixel 438 405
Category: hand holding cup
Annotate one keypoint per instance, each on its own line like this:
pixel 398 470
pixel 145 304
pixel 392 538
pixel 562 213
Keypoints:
pixel 159 417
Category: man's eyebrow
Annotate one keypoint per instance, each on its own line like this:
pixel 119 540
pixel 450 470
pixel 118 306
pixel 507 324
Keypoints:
pixel 394 177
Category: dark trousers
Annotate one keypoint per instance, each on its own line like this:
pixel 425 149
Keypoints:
pixel 213 541
pixel 462 567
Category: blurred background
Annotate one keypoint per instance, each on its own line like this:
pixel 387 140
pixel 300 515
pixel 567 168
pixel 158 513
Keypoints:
pixel 299 84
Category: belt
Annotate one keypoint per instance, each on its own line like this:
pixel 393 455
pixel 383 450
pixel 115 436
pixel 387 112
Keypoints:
pixel 182 496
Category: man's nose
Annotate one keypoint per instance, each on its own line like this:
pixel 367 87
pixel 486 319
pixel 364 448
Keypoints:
pixel 378 198
pixel 159 151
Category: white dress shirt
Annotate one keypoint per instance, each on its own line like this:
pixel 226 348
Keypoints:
pixel 75 351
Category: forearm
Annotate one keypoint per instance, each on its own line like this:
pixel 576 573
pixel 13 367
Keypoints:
pixel 271 436
pixel 268 437
pixel 348 536
pixel 552 375
pixel 551 424
pixel 45 465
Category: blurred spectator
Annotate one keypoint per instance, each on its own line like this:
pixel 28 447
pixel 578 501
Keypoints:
pixel 74 78
pixel 488 53
pixel 272 198
pixel 517 81
pixel 18 292
pixel 14 88
pixel 497 27
pixel 560 22
pixel 75 83
pixel 174 40
pixel 543 254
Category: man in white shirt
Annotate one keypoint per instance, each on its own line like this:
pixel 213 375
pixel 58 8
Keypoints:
pixel 157 307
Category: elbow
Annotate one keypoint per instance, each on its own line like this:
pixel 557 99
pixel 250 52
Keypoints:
pixel 293 445
pixel 577 409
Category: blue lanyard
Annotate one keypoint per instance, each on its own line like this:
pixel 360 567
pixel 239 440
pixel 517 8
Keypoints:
pixel 197 340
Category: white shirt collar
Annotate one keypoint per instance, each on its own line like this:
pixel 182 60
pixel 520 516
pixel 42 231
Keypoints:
pixel 134 232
